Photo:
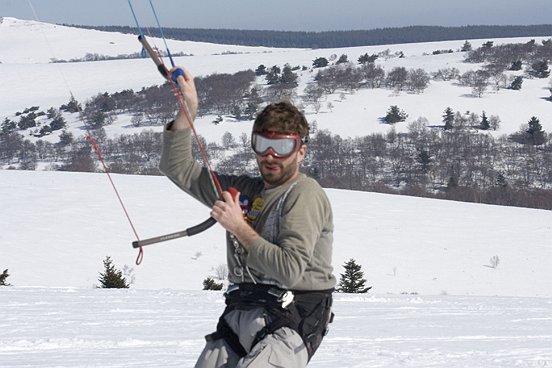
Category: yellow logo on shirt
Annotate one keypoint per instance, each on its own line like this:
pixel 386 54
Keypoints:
pixel 256 208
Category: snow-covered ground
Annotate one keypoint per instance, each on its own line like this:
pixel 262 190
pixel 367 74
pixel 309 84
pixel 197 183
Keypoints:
pixel 57 227
pixel 68 327
pixel 436 301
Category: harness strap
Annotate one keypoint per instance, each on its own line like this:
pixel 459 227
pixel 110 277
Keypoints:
pixel 225 332
pixel 294 316
pixel 280 318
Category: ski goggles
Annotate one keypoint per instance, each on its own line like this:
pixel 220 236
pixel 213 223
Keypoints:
pixel 276 144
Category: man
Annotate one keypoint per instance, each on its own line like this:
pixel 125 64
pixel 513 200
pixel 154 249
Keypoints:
pixel 279 241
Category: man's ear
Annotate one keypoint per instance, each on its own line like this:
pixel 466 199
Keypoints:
pixel 301 153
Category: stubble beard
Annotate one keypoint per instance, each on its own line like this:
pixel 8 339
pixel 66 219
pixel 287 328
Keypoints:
pixel 285 172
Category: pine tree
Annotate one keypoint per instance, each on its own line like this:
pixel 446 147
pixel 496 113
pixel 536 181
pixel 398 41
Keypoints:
pixel 320 62
pixel 539 69
pixel 535 132
pixel 448 118
pixel 273 76
pixel 365 59
pixel 72 106
pixel 352 280
pixel 3 278
pixel 261 70
pixel 395 115
pixel 501 180
pixel 424 159
pixel 516 65
pixel 342 59
pixel 484 125
pixel 112 278
pixel 210 284
pixel 288 77
pixel 516 83
pixel 466 47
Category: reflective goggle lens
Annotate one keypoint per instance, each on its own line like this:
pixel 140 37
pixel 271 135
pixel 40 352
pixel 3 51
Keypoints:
pixel 281 145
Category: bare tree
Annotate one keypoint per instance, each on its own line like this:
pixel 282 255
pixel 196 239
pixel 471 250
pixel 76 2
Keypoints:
pixel 372 75
pixel 313 96
pixel 397 78
pixel 418 80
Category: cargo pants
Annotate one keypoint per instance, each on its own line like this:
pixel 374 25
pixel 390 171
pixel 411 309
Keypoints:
pixel 283 349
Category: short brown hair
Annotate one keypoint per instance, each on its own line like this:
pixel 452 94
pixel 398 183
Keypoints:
pixel 282 117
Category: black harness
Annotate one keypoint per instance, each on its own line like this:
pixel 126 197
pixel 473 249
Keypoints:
pixel 307 312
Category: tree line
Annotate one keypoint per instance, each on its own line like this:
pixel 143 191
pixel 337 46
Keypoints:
pixel 459 162
pixel 335 39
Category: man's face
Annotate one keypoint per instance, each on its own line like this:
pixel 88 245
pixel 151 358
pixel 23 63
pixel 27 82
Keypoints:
pixel 269 148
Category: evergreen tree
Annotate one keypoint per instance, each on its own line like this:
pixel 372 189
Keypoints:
pixel 210 284
pixel 58 122
pixel 3 278
pixel 79 159
pixel 452 182
pixel 273 76
pixel 352 281
pixel 516 83
pixel 365 59
pixel 7 126
pixel 484 125
pixel 448 118
pixel 487 45
pixel 395 115
pixel 501 180
pixel 516 65
pixel 288 77
pixel 112 278
pixel 27 121
pixel 466 47
pixel 65 139
pixel 424 159
pixel 320 62
pixel 535 132
pixel 342 59
pixel 261 70
pixel 72 106
pixel 539 69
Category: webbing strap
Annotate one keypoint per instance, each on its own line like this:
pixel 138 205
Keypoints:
pixel 225 332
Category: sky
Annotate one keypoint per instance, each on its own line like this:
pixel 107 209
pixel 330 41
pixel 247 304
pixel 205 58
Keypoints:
pixel 291 15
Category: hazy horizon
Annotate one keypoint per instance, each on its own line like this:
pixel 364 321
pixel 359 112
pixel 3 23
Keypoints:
pixel 307 15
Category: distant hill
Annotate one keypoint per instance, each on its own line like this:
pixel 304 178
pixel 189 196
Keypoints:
pixel 332 39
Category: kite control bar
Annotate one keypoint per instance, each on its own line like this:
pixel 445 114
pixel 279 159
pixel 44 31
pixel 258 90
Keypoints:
pixel 160 66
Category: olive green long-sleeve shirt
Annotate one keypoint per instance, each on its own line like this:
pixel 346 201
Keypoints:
pixel 294 220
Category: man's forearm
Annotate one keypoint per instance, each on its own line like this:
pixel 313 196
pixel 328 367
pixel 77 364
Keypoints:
pixel 246 235
pixel 180 122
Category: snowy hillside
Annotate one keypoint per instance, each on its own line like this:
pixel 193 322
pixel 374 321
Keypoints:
pixel 436 301
pixel 26 74
pixel 56 228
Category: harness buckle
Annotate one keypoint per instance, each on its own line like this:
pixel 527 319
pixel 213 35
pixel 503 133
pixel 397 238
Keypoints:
pixel 286 298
